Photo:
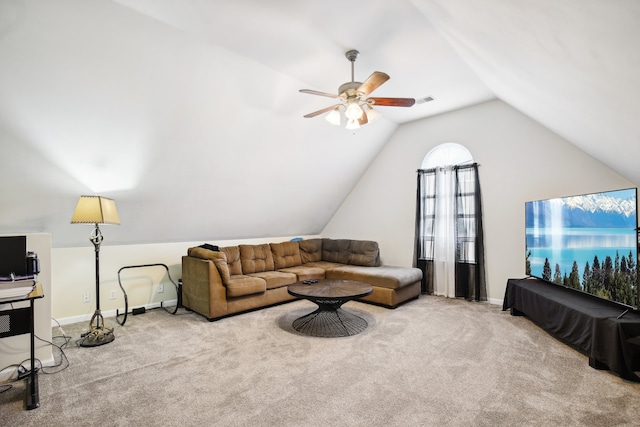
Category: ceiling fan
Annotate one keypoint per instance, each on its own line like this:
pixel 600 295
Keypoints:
pixel 358 109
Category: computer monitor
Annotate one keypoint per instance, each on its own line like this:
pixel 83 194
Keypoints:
pixel 13 253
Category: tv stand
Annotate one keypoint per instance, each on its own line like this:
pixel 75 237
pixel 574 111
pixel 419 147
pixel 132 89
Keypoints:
pixel 591 325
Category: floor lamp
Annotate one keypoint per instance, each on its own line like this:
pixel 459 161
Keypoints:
pixel 96 210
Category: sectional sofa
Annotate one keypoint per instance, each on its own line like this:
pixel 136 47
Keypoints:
pixel 236 279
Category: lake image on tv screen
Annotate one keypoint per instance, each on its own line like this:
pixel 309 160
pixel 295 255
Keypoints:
pixel 586 242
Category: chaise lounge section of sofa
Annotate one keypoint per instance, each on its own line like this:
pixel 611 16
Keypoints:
pixel 242 278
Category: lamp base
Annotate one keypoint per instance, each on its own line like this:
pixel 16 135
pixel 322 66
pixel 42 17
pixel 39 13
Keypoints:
pixel 97 337
pixel 98 334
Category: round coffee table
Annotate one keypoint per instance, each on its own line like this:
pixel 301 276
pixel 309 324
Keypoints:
pixel 330 320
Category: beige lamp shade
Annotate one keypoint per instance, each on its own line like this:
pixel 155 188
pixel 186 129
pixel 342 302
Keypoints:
pixel 95 210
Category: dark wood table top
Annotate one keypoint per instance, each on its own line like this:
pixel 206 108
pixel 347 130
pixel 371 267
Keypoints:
pixel 330 289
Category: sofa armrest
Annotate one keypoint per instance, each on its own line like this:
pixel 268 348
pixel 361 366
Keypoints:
pixel 202 287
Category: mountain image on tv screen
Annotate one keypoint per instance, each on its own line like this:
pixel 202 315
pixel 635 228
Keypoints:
pixel 587 242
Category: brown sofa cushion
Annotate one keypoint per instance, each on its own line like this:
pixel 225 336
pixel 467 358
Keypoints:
pixel 336 250
pixel 310 250
pixel 325 265
pixel 305 272
pixel 256 258
pixel 285 254
pixel 383 277
pixel 365 253
pixel 233 259
pixel 355 252
pixel 275 279
pixel 245 285
pixel 218 258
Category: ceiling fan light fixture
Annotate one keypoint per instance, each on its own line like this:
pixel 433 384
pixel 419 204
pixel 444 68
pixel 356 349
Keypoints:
pixel 334 117
pixel 372 114
pixel 354 98
pixel 353 111
pixel 352 124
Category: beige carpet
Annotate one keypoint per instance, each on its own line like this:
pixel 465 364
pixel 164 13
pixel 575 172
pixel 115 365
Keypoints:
pixel 431 362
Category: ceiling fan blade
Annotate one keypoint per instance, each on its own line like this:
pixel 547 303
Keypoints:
pixel 372 83
pixel 324 110
pixel 315 92
pixel 392 102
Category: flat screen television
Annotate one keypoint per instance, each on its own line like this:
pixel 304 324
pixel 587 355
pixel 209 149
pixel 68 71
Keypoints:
pixel 587 242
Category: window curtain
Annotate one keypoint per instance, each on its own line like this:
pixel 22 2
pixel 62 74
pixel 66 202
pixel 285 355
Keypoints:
pixel 449 246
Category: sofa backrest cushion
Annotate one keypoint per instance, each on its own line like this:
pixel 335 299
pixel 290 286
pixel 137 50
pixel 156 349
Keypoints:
pixel 354 252
pixel 365 253
pixel 256 258
pixel 233 259
pixel 336 250
pixel 310 250
pixel 286 254
pixel 218 258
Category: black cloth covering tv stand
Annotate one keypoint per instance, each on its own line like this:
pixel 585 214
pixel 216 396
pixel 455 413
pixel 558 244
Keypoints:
pixel 598 328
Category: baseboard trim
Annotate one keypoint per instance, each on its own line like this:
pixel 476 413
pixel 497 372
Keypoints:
pixel 495 301
pixel 107 313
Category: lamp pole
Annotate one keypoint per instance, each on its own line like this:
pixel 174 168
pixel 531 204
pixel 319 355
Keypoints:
pixel 97 334
pixel 96 238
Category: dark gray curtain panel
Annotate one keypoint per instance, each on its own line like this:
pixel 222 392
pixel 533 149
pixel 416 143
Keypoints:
pixel 470 281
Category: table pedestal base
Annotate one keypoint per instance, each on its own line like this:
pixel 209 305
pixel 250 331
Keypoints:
pixel 329 321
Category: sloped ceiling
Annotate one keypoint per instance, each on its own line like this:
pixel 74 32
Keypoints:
pixel 572 65
pixel 187 112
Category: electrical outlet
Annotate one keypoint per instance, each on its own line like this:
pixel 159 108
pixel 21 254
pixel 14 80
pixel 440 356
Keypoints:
pixel 86 298
pixel 160 288
pixel 112 295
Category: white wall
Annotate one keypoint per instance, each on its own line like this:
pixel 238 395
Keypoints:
pixel 519 161
pixel 74 274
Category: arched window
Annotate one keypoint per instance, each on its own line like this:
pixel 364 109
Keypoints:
pixel 449 235
pixel 447 154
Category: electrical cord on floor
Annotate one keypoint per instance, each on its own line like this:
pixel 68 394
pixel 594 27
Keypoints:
pixel 22 373
pixel 63 362
pixel 61 358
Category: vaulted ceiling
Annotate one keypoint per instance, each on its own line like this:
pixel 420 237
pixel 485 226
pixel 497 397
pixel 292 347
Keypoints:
pixel 188 112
